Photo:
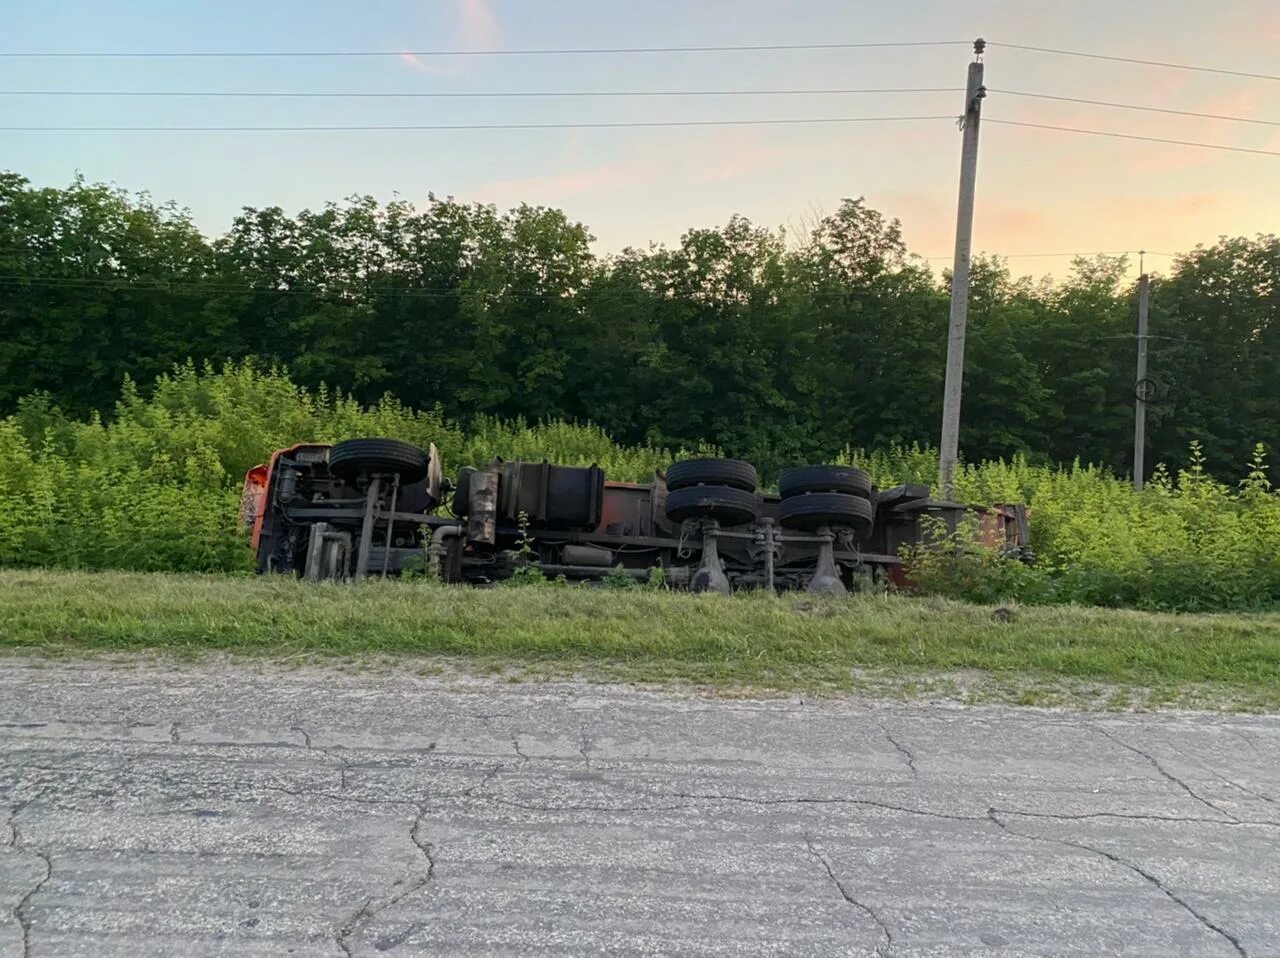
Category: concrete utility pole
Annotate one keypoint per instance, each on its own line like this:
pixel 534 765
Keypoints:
pixel 1141 386
pixel 950 446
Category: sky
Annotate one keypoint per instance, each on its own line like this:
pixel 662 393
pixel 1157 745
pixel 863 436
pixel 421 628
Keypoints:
pixel 1038 192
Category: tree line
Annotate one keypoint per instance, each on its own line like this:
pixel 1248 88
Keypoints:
pixel 778 348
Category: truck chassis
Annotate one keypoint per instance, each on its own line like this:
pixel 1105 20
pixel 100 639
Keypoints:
pixel 377 507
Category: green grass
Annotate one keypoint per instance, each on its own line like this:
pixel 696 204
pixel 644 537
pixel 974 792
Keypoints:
pixel 884 644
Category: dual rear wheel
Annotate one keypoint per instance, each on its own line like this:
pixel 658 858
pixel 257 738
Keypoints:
pixel 812 496
pixel 720 489
pixel 817 496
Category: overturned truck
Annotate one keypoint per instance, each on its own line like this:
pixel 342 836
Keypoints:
pixel 377 507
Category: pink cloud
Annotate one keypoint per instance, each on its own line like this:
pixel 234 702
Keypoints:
pixel 415 62
pixel 478 25
pixel 433 66
pixel 476 29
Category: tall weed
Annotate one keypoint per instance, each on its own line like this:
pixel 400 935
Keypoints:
pixel 156 486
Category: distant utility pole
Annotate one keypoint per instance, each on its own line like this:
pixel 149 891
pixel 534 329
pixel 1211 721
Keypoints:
pixel 950 446
pixel 1142 386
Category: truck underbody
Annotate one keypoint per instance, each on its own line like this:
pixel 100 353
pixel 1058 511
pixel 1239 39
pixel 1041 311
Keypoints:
pixel 376 507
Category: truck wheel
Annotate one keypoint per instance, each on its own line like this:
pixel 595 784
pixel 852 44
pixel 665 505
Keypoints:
pixel 712 472
pixel 849 480
pixel 731 507
pixel 358 457
pixel 827 509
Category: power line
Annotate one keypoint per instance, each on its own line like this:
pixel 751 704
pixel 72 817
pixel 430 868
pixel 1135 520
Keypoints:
pixel 549 94
pixel 609 125
pixel 1149 63
pixel 551 51
pixel 1101 252
pixel 1135 136
pixel 467 94
pixel 613 125
pixel 1135 106
pixel 127 283
pixel 611 51
pixel 124 284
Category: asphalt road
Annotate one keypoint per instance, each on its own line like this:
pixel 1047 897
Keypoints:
pixel 242 811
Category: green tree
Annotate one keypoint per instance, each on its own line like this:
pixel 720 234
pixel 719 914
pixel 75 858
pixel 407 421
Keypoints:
pixel 94 285
pixel 1215 353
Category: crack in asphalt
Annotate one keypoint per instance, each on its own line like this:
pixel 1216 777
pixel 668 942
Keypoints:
pixel 477 790
pixel 993 813
pixel 693 797
pixel 20 909
pixel 1243 788
pixel 368 910
pixel 427 848
pixel 1217 773
pixel 808 800
pixel 332 796
pixel 844 893
pixel 35 767
pixel 1139 817
pixel 346 929
pixel 304 792
pixel 306 739
pixel 11 822
pixel 585 746
pixel 515 744
pixel 539 807
pixel 1247 739
pixel 1155 763
pixel 174 727
pixel 487 717
pixel 1249 791
pixel 489 776
pixel 902 749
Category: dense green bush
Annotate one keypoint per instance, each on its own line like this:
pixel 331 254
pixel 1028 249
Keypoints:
pixel 1188 542
pixel 157 486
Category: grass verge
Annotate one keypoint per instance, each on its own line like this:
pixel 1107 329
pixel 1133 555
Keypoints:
pixel 881 644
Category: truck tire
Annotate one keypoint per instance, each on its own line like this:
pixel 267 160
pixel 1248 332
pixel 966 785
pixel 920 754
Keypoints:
pixel 730 506
pixel 827 509
pixel 849 480
pixel 358 457
pixel 712 472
